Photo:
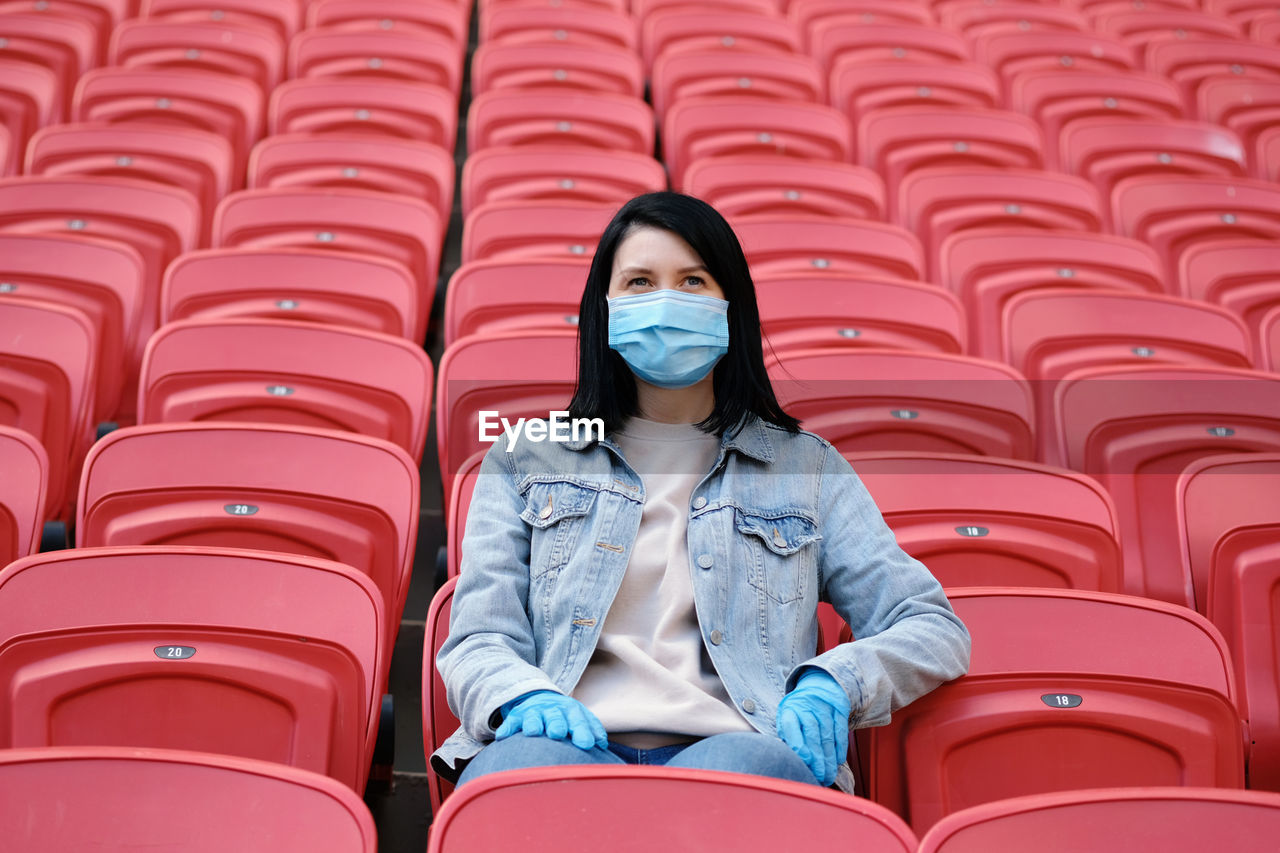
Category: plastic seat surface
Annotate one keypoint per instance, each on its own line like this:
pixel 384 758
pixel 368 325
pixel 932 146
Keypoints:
pixel 318 493
pixel 441 17
pixel 996 522
pixel 986 267
pixel 1266 155
pixel 22 493
pixel 1135 429
pixel 1269 338
pixel 48 367
pixel 1239 274
pixel 302 284
pixel 970 18
pixel 66 45
pixel 1190 61
pixel 101 15
pixel 235 652
pixel 122 797
pixel 1229 534
pixel 793 244
pixel 102 279
pixel 519 230
pixel 525 24
pixel 376 54
pixel 588 119
pixel 289 372
pixel 398 228
pixel 805 13
pixel 497 296
pixel 690 73
pixel 242 49
pixel 550 173
pixel 438 721
pixel 859 86
pixel 838 39
pixel 399 108
pixel 699 808
pixel 559 67
pixel 1011 51
pixel 1066 689
pixel 875 399
pixel 801 311
pixel 1178 820
pixel 719 126
pixel 1138 27
pixel 284 18
pixel 401 166
pixel 29 99
pixel 1246 105
pixel 750 184
pixel 691 28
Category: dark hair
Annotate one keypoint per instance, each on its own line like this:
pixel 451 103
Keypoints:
pixel 606 386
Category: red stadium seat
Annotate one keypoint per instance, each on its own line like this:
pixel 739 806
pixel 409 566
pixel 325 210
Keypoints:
pixel 1266 27
pixel 464 485
pixel 29 99
pixel 234 652
pixel 319 493
pixel 986 267
pixel 898 400
pixel 240 50
pixel 1011 51
pixel 1175 820
pixel 1107 150
pixel 1066 689
pixel 1240 11
pixel 596 120
pixel 644 9
pixel 723 28
pixel 120 797
pixel 798 245
pixel 1190 61
pixel 484 297
pixel 1266 155
pixel 1175 213
pixel 290 372
pixel 285 18
pixel 550 173
pixel 399 228
pixel 516 374
pixel 815 310
pixel 416 111
pixel 972 17
pixel 980 521
pixel 805 13
pixel 857 86
pixel 699 808
pixel 436 17
pixel 403 166
pixel 1228 531
pixel 719 73
pixel 65 45
pixel 197 161
pixel 1138 27
pixel 557 67
pixel 374 55
pixel 101 15
pixel 1049 332
pixel 1136 428
pixel 438 721
pixel 936 203
pixel 837 39
pixel 102 279
pixel 1269 340
pixel 617 6
pixel 1237 274
pixel 529 24
pixel 1246 105
pixel 519 230
pixel 896 141
pixel 749 184
pixel 301 284
pixel 22 492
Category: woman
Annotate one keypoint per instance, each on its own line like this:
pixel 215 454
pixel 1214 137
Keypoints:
pixel 651 597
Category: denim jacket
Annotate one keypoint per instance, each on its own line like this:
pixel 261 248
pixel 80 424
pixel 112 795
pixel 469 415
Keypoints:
pixel 779 523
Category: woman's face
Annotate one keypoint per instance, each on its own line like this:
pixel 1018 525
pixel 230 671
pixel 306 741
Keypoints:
pixel 650 259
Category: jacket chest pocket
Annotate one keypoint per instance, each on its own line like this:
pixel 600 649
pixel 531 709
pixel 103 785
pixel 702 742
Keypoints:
pixel 780 553
pixel 556 512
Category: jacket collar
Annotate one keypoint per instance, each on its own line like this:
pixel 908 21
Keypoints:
pixel 752 440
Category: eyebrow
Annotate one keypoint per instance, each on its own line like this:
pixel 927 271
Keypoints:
pixel 647 271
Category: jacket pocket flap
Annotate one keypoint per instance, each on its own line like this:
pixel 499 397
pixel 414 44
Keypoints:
pixel 781 534
pixel 549 503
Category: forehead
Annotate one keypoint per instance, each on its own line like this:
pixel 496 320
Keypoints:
pixel 652 248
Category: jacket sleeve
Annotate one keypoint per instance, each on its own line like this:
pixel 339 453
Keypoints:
pixel 908 640
pixel 490 655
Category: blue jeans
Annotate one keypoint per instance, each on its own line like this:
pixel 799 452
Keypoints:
pixel 736 752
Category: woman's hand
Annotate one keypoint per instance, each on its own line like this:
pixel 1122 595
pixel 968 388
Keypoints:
pixel 813 719
pixel 545 713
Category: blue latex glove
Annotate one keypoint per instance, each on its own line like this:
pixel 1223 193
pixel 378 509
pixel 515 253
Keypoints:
pixel 545 713
pixel 813 719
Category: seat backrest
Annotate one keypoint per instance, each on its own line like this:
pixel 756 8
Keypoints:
pixel 284 18
pixel 496 296
pixel 1238 274
pixel 376 54
pixel 877 399
pixel 747 184
pixel 438 721
pixel 582 119
pixel 121 797
pixel 698 809
pixel 305 284
pixel 699 73
pixel 66 45
pixel 225 651
pixel 1136 428
pixel 351 106
pixel 690 28
pixel 859 86
pixel 241 49
pixel 996 522
pixel 517 23
pixel 519 230
pixel 1066 689
pixel 849 39
pixel 551 173
pixel 560 67
pixel 780 244
pixel 286 371
pixel 319 493
pixel 1177 820
pixel 22 493
pixel 440 18
pixel 1269 341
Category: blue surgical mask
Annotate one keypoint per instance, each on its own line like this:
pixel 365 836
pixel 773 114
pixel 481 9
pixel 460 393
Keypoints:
pixel 669 338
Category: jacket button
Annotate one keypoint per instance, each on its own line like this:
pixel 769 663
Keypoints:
pixel 716 637
pixel 705 561
pixel 749 706
pixel 699 503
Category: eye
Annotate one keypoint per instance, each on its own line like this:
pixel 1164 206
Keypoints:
pixel 638 282
pixel 694 281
